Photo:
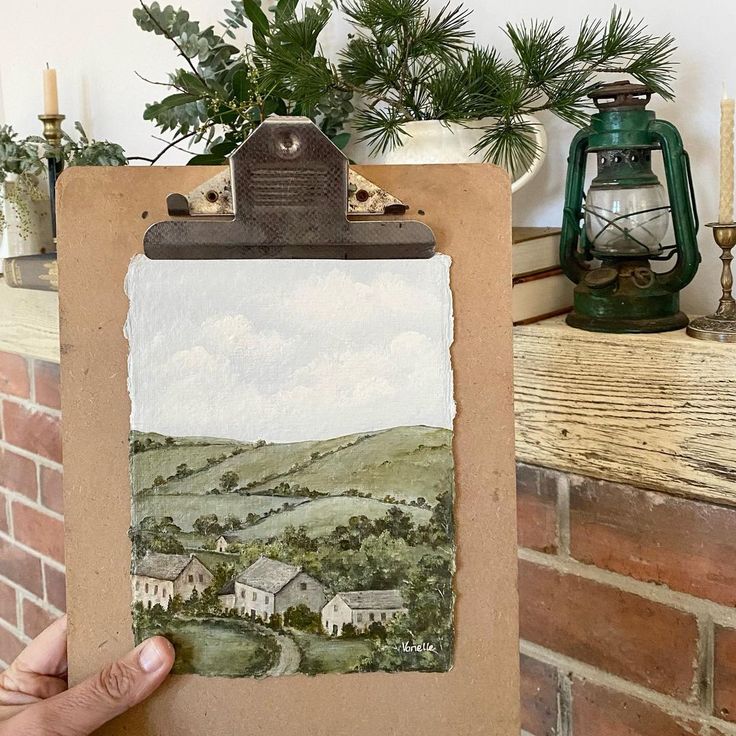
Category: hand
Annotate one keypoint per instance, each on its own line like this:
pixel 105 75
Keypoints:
pixel 34 700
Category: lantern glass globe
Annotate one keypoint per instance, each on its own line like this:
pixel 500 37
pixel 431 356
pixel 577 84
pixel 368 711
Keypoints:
pixel 626 221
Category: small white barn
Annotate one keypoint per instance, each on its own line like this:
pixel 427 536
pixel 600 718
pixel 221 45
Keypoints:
pixel 158 577
pixel 221 545
pixel 361 608
pixel 269 586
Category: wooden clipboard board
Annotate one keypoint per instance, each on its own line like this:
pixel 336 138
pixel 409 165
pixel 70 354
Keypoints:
pixel 103 214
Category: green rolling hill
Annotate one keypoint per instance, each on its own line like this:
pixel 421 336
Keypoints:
pixel 322 515
pixel 403 463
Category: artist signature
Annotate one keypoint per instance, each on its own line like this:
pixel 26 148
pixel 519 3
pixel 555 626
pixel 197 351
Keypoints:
pixel 407 647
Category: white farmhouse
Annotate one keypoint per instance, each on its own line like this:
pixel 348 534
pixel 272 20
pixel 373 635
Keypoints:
pixel 158 577
pixel 269 586
pixel 361 608
pixel 221 544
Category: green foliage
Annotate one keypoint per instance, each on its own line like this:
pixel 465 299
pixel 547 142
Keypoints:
pixel 407 63
pixel 349 631
pixel 226 88
pixel 86 151
pixel 302 618
pixel 21 158
pixel 231 523
pixel 228 481
pixel 275 622
pixel 207 525
pixel 156 535
pixel 428 597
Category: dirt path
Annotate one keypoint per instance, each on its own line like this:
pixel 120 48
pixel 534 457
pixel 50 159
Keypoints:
pixel 289 659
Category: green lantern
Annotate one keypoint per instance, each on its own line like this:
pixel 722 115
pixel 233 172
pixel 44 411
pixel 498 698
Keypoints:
pixel 612 236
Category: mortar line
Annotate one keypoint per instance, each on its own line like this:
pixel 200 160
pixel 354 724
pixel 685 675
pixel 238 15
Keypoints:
pixel 658 593
pixel 30 455
pixel 564 703
pixel 563 515
pixel 672 706
pixel 25 593
pixel 22 498
pixel 59 566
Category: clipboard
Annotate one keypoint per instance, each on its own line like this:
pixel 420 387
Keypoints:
pixel 103 218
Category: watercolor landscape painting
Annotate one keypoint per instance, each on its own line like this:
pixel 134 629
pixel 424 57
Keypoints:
pixel 291 464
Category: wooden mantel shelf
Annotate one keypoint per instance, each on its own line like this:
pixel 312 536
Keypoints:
pixel 29 322
pixel 657 411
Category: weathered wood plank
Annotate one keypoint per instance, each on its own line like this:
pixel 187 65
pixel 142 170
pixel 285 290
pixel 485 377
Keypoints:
pixel 657 411
pixel 29 322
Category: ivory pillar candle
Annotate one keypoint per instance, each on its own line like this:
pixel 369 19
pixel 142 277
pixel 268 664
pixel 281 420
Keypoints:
pixel 50 92
pixel 725 213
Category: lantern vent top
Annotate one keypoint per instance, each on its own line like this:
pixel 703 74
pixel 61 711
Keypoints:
pixel 621 95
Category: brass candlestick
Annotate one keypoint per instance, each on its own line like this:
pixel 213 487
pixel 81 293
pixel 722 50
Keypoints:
pixel 720 326
pixel 53 134
pixel 52 127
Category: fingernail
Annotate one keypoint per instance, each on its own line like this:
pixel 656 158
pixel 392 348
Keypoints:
pixel 151 658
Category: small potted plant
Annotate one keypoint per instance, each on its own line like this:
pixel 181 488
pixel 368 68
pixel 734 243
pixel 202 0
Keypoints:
pixel 427 94
pixel 25 221
pixel 25 217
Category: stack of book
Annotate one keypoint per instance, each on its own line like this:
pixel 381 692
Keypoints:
pixel 540 289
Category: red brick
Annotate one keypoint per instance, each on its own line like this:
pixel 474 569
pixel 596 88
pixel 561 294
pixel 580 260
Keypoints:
pixel 38 531
pixel 687 545
pixel 597 710
pixel 46 380
pixel 20 567
pixel 536 509
pixel 538 697
pixel 35 619
pixel 14 378
pixel 7 604
pixel 3 514
pixel 55 587
pixel 34 431
pixel 51 489
pixel 10 645
pixel 18 473
pixel 724 673
pixel 624 634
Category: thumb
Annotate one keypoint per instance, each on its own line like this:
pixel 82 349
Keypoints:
pixel 116 688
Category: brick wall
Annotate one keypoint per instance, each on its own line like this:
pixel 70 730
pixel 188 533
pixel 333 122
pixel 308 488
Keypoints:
pixel 627 612
pixel 627 597
pixel 31 523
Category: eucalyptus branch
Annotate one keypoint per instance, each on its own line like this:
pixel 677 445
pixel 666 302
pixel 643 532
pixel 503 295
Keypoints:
pixel 167 148
pixel 168 85
pixel 173 40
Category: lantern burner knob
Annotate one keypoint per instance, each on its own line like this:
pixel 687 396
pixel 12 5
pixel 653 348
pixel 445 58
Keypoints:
pixel 621 95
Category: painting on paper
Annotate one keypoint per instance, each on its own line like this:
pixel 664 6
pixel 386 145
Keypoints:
pixel 291 464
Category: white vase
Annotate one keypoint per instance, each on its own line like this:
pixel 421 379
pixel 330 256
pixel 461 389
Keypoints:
pixel 435 142
pixel 13 241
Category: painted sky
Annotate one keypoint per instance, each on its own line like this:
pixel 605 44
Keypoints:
pixel 288 350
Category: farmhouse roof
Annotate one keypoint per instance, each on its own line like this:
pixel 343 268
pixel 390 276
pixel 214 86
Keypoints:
pixel 161 566
pixel 386 599
pixel 268 575
pixel 228 588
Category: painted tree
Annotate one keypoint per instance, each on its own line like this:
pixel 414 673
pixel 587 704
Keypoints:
pixel 229 480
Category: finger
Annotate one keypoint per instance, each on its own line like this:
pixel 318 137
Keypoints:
pixel 118 687
pixel 22 688
pixel 46 654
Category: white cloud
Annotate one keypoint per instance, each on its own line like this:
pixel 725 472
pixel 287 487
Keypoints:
pixel 289 350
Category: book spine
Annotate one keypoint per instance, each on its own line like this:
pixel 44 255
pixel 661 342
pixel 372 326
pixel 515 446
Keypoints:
pixel 38 272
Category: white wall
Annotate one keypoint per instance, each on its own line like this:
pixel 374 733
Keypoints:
pixel 97 48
